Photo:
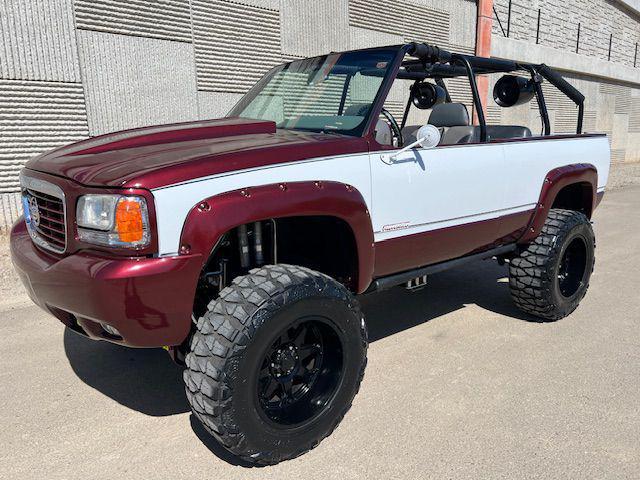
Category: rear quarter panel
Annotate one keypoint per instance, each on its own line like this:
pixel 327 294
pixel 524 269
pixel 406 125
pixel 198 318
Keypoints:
pixel 528 163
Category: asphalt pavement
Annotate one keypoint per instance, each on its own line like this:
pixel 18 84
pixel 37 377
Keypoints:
pixel 459 385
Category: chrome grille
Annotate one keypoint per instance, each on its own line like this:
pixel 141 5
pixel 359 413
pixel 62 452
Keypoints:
pixel 45 215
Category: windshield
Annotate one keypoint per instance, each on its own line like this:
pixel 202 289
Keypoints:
pixel 331 93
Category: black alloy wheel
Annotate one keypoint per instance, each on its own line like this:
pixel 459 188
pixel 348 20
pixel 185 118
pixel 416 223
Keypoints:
pixel 572 267
pixel 300 372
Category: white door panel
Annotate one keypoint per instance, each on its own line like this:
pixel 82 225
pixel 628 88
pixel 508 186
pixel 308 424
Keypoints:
pixel 425 190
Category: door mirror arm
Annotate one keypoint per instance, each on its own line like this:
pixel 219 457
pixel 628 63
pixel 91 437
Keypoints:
pixel 428 137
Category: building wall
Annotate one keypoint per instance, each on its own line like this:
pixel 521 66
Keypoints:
pixel 611 84
pixel 76 68
pixel 559 19
pixel 70 69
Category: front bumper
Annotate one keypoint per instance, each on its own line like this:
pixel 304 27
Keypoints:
pixel 148 300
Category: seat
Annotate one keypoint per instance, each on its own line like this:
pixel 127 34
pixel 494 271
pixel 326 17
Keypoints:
pixel 383 133
pixel 502 132
pixel 462 135
pixel 409 133
pixel 453 121
pixel 448 115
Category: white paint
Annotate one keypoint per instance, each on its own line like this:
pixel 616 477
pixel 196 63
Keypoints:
pixel 431 189
pixel 527 167
pixel 437 188
pixel 423 190
pixel 174 203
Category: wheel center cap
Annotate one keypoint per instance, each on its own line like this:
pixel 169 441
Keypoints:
pixel 288 362
pixel 285 360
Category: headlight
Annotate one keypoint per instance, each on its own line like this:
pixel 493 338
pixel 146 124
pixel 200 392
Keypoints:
pixel 113 220
pixel 96 211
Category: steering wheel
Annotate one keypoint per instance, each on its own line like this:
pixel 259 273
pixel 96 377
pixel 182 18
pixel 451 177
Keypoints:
pixel 394 126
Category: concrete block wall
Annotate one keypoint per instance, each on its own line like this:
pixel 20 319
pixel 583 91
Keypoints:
pixel 70 69
pixel 611 85
pixel 559 20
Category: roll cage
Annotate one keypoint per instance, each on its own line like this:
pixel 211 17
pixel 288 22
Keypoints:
pixel 431 62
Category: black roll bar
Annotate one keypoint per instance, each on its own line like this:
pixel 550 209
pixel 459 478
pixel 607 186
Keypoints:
pixel 542 104
pixel 565 87
pixel 477 101
pixel 433 61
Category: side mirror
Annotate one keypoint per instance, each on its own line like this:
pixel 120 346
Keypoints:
pixel 428 136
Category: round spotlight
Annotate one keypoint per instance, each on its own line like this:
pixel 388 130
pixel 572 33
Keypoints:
pixel 511 91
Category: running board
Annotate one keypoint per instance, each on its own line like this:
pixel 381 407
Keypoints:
pixel 384 283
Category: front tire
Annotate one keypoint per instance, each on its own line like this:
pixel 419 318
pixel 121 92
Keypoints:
pixel 276 362
pixel 550 277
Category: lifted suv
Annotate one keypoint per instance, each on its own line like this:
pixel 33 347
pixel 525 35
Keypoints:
pixel 241 244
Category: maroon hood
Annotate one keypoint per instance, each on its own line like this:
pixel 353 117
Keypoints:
pixel 158 156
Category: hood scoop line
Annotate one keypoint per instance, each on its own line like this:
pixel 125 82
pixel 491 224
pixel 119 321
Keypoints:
pixel 144 137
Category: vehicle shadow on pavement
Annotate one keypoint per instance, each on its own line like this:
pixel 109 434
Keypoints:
pixel 145 380
pixel 483 283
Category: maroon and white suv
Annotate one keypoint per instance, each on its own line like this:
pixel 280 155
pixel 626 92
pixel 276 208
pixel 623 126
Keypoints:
pixel 241 244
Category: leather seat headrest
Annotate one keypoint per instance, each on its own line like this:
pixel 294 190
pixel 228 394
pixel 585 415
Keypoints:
pixel 449 115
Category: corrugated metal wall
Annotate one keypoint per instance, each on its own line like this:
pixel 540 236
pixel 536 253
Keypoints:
pixel 35 117
pixel 74 68
pixel 234 44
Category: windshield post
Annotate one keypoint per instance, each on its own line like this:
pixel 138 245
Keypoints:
pixel 385 88
pixel 345 91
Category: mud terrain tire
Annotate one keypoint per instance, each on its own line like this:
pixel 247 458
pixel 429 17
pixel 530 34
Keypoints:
pixel 238 348
pixel 550 277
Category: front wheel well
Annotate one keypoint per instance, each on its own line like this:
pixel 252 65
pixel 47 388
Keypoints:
pixel 577 197
pixel 325 244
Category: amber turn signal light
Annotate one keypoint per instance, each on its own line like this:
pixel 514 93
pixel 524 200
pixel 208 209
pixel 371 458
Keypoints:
pixel 129 223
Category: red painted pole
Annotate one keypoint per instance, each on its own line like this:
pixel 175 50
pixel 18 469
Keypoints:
pixel 483 47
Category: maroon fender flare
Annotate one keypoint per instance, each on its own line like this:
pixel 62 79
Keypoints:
pixel 555 181
pixel 214 216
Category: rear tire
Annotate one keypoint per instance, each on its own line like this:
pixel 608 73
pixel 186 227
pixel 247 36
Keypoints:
pixel 550 277
pixel 276 362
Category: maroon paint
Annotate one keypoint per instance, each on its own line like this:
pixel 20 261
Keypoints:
pixel 512 227
pixel 157 159
pixel 418 250
pixel 181 132
pixel 149 300
pixel 555 181
pixel 73 191
pixel 599 198
pixel 203 227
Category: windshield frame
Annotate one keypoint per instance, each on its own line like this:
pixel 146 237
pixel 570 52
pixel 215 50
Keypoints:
pixel 364 127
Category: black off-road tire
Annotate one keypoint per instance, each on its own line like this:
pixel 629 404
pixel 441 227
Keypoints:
pixel 232 338
pixel 535 282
